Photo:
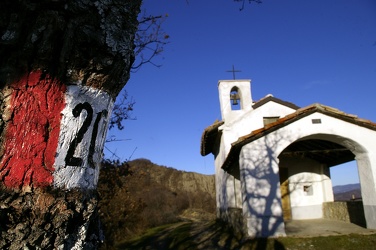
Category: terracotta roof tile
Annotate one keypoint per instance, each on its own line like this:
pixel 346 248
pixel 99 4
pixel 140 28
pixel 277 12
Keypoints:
pixel 210 133
pixel 208 138
pixel 300 113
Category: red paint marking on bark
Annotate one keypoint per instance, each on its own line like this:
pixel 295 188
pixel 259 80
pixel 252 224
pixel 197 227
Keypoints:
pixel 33 132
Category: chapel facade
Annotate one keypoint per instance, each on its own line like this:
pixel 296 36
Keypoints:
pixel 273 159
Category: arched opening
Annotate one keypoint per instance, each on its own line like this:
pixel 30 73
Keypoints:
pixel 347 192
pixel 306 171
pixel 235 100
pixel 345 180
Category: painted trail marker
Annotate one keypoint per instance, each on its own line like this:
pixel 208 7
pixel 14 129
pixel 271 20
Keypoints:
pixel 49 117
pixel 82 135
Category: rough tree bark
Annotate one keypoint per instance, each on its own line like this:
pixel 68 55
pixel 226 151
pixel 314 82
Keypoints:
pixel 62 64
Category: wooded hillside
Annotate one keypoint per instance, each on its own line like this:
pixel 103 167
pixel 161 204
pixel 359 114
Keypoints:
pixel 139 194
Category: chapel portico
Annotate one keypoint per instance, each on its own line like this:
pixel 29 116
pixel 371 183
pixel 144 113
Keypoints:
pixel 280 170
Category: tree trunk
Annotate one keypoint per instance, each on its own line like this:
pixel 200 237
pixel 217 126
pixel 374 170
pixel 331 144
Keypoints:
pixel 63 62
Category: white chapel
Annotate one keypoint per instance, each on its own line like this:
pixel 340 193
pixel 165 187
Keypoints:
pixel 272 159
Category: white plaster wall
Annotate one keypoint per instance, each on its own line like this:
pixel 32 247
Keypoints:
pixel 327 185
pixel 241 123
pixel 259 174
pixel 250 121
pixel 253 119
pixel 220 179
pixel 305 172
pixel 228 193
pixel 360 140
pixel 224 89
pixel 238 195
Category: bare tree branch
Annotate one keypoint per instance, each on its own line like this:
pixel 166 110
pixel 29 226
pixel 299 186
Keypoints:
pixel 150 40
pixel 122 111
pixel 249 1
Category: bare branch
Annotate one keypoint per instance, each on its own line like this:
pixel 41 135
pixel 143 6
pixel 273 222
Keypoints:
pixel 113 154
pixel 150 40
pixel 249 1
pixel 113 139
pixel 122 111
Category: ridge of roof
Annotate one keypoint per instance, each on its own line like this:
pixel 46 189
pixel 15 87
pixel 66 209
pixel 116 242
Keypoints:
pixel 236 146
pixel 269 98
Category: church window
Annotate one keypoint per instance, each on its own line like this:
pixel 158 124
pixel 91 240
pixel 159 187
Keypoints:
pixel 316 121
pixel 308 190
pixel 271 119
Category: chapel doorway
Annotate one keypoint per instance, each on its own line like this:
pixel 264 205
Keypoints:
pixel 285 193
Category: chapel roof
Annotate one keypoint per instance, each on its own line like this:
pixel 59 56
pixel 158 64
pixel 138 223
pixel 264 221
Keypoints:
pixel 269 98
pixel 208 138
pixel 233 155
pixel 210 133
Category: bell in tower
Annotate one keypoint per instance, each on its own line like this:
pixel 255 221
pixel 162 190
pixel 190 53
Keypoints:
pixel 235 98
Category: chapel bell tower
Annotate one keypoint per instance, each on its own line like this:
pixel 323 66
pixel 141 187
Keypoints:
pixel 235 98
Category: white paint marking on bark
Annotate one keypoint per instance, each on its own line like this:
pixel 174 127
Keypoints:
pixel 76 164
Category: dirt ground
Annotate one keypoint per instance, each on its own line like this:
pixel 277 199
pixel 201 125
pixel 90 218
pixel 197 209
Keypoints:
pixel 323 227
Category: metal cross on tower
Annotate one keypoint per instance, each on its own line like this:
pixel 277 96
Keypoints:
pixel 233 71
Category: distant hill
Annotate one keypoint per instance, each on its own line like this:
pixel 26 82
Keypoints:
pixel 139 194
pixel 347 192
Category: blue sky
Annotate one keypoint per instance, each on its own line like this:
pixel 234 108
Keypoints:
pixel 304 52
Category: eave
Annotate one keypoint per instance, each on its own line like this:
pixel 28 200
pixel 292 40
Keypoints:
pixel 233 156
pixel 209 137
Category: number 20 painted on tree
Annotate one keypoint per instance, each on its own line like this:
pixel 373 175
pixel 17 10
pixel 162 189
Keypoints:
pixel 70 159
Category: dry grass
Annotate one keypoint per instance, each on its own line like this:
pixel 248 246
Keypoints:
pixel 215 235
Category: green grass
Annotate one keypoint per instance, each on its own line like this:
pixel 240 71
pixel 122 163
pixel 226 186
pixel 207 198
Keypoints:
pixel 215 235
pixel 163 237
